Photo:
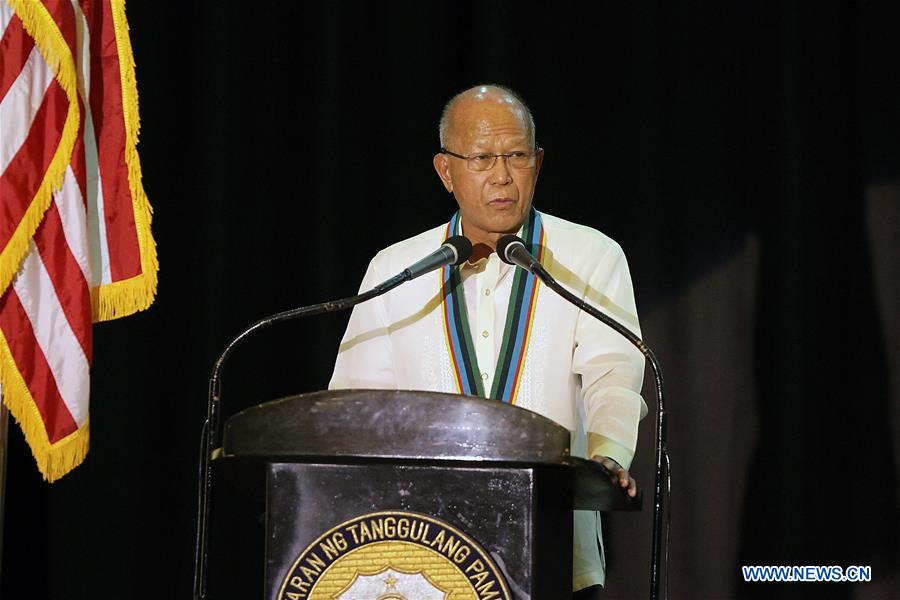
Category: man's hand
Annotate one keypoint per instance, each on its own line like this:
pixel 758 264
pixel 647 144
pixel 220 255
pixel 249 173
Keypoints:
pixel 624 480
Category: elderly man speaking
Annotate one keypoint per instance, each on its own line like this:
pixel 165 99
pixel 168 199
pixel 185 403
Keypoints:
pixel 575 371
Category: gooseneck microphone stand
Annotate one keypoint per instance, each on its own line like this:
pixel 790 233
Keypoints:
pixel 454 251
pixel 511 250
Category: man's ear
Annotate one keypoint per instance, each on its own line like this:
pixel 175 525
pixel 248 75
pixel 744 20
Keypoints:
pixel 539 161
pixel 442 166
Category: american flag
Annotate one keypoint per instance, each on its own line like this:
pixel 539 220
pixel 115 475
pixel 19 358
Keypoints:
pixel 75 240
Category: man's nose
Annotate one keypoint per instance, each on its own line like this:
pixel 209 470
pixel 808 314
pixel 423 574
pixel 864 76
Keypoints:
pixel 500 173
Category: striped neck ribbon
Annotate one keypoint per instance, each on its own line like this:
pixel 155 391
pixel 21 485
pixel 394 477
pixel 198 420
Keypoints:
pixel 516 333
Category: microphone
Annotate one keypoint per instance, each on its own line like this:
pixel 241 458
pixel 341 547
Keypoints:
pixel 453 251
pixel 511 250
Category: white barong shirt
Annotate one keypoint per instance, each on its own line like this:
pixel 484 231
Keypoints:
pixel 577 371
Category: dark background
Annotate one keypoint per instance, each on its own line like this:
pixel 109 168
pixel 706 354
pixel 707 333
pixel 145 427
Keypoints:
pixel 745 155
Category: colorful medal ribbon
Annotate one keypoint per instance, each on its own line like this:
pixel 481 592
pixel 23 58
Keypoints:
pixel 516 333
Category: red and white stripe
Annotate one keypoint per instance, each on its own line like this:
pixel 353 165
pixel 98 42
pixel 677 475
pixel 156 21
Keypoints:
pixel 46 315
pixel 116 252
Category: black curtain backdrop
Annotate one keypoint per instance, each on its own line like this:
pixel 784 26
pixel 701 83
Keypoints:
pixel 745 155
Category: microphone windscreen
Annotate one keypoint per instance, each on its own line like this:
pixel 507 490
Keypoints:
pixel 462 246
pixel 504 244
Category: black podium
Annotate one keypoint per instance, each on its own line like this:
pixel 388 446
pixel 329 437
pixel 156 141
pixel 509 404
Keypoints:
pixel 413 495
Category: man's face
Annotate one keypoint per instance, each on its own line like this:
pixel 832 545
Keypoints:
pixel 496 201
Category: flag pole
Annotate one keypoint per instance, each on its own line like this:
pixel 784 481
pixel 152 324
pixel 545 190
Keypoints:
pixel 4 429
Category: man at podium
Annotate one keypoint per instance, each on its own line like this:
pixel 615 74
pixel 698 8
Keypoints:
pixel 488 328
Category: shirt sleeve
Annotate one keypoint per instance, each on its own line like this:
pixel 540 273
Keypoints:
pixel 611 368
pixel 365 357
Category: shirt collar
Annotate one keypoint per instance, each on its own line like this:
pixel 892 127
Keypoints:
pixel 480 265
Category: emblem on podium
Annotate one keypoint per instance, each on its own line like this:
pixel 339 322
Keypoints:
pixel 394 555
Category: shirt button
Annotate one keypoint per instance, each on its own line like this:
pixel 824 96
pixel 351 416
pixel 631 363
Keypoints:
pixel 484 376
pixel 484 333
pixel 487 292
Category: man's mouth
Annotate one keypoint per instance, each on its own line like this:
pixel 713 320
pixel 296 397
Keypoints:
pixel 502 202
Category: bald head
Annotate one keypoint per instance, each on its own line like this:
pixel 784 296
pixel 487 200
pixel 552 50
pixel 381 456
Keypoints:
pixel 482 95
pixel 485 123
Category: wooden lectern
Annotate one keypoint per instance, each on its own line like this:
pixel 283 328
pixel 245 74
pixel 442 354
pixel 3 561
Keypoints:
pixel 407 495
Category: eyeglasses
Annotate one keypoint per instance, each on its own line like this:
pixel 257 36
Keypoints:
pixel 486 162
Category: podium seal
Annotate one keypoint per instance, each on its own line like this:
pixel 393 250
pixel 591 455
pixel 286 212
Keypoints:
pixel 394 555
